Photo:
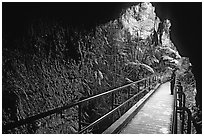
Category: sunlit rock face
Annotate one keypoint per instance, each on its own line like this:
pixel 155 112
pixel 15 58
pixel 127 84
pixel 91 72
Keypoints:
pixel 140 20
pixel 166 34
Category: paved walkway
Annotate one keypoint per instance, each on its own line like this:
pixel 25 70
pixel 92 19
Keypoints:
pixel 155 116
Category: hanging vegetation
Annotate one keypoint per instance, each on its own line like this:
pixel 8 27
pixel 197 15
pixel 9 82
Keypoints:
pixel 56 65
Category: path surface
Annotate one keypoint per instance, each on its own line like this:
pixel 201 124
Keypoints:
pixel 155 116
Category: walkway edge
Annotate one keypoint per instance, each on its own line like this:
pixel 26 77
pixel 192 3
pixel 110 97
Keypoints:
pixel 126 118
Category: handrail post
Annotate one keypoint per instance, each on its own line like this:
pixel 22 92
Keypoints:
pixel 112 100
pixel 182 121
pixel 176 121
pixel 79 116
pixel 128 96
pixel 145 82
pixel 181 106
pixel 189 119
pixel 149 83
pixel 138 90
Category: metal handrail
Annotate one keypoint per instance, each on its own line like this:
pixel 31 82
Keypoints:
pixel 112 111
pixel 12 125
pixel 179 107
pixel 174 120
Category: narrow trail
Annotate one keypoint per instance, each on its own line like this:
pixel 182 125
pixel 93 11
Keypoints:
pixel 155 116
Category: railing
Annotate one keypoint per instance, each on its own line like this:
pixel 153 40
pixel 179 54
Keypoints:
pixel 148 83
pixel 179 111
